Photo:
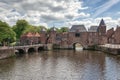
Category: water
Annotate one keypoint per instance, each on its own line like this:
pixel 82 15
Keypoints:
pixel 61 65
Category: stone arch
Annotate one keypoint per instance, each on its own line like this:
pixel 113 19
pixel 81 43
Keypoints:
pixel 19 51
pixel 41 48
pixel 118 51
pixel 77 46
pixel 31 50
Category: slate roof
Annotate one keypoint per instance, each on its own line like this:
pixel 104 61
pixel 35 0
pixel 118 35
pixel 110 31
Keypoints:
pixel 102 23
pixel 79 28
pixel 93 29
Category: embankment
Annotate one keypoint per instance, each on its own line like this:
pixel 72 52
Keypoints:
pixel 6 52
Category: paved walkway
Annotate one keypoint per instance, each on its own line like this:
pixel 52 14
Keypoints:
pixel 115 46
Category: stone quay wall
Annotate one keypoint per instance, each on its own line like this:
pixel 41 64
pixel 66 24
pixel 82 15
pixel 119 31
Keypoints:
pixel 6 52
pixel 114 51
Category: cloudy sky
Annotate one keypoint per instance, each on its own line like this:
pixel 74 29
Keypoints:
pixel 61 12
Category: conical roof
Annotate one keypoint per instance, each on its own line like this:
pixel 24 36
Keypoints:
pixel 102 23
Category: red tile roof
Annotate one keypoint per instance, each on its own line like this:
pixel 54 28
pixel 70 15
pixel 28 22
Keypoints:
pixel 29 34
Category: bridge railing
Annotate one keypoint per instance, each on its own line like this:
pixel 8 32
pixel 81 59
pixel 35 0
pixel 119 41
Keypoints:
pixel 29 45
pixel 115 46
pixel 10 47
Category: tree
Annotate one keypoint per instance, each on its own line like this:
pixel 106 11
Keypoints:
pixel 34 29
pixel 20 27
pixel 42 28
pixel 6 33
pixel 63 29
pixel 31 29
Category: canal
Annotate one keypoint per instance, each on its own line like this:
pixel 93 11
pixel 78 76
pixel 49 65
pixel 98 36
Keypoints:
pixel 61 65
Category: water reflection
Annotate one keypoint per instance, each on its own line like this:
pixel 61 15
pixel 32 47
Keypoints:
pixel 61 65
pixel 7 68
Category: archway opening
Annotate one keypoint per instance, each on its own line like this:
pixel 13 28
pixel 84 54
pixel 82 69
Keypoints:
pixel 77 46
pixel 19 51
pixel 118 51
pixel 31 50
pixel 40 48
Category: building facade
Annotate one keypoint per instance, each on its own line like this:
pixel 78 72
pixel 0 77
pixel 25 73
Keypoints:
pixel 30 38
pixel 95 35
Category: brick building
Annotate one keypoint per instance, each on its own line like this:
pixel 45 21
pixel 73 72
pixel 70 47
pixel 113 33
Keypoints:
pixel 114 36
pixel 30 38
pixel 92 35
pixel 95 35
pixel 110 37
pixel 78 34
pixel 43 36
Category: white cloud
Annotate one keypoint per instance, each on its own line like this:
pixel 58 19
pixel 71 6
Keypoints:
pixel 73 15
pixel 40 12
pixel 118 13
pixel 110 23
pixel 37 11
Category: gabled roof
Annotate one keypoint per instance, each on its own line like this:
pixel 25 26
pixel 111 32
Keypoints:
pixel 110 32
pixel 79 28
pixel 36 35
pixel 93 29
pixel 30 34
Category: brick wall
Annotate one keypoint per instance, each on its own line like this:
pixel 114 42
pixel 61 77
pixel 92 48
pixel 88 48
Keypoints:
pixel 117 36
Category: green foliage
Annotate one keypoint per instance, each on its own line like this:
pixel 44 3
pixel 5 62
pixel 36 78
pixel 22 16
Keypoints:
pixel 63 29
pixel 6 33
pixel 20 27
pixel 31 29
pixel 48 30
pixel 34 29
pixel 42 27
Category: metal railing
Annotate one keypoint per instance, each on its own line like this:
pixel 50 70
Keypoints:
pixel 115 46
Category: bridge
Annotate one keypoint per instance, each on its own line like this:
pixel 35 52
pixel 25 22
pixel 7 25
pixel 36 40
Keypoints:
pixel 29 48
pixel 8 51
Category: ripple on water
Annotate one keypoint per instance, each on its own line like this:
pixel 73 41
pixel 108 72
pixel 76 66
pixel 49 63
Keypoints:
pixel 61 65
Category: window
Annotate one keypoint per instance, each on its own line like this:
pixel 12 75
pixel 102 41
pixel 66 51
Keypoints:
pixel 77 34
